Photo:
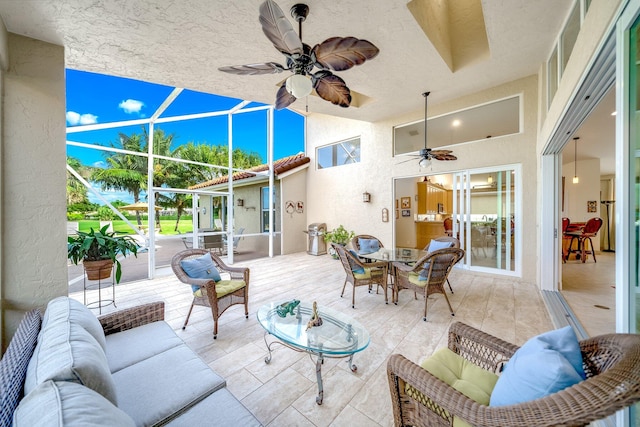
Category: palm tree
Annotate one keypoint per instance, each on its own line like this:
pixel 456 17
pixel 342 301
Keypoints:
pixel 76 191
pixel 125 172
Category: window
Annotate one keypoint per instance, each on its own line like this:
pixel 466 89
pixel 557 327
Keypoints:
pixel 570 34
pixel 265 208
pixel 338 154
pixel 490 120
pixel 552 76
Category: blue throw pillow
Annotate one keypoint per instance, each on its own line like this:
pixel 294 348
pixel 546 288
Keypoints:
pixel 368 246
pixel 355 267
pixel 435 245
pixel 544 365
pixel 200 268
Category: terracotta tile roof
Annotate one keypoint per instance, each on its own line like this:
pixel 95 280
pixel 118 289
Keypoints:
pixel 279 166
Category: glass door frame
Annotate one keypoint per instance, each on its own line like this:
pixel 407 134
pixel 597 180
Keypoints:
pixel 462 211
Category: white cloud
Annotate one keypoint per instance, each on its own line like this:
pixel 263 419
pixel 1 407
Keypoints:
pixel 131 106
pixel 74 118
pixel 99 164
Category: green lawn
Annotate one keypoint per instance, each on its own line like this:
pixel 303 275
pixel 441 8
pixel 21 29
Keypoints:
pixel 120 226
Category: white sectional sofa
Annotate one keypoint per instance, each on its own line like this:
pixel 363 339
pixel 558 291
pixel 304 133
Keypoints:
pixel 128 368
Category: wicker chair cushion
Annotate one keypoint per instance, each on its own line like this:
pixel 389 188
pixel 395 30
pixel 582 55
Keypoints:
pixel 55 403
pixel 13 366
pixel 435 245
pixel 544 365
pixel 368 246
pixel 223 287
pixel 355 267
pixel 469 379
pixel 418 279
pixel 200 268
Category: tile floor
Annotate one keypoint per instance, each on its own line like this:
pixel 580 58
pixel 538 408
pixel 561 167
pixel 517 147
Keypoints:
pixel 589 289
pixel 283 392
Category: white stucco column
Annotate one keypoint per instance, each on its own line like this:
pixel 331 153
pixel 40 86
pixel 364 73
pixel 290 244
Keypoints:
pixel 33 207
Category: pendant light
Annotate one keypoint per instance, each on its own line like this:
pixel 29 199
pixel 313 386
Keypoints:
pixel 575 160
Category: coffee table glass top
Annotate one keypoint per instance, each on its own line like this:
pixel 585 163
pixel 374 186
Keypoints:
pixel 338 334
pixel 397 254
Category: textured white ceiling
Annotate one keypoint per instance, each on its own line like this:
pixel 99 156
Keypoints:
pixel 183 42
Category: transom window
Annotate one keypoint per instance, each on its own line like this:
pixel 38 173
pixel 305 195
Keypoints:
pixel 338 154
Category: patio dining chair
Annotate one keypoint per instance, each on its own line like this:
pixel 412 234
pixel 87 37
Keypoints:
pixel 361 274
pixel 453 243
pixel 427 276
pixel 218 290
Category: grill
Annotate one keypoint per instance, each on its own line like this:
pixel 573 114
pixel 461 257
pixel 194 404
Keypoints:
pixel 317 245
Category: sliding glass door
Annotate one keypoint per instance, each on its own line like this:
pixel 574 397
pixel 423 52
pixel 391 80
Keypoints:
pixel 485 218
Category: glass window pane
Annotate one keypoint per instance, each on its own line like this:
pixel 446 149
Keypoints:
pixel 491 120
pixel 552 76
pixel 570 34
pixel 338 154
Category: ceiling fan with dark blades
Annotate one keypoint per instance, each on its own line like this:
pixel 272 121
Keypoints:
pixel 426 154
pixel 333 54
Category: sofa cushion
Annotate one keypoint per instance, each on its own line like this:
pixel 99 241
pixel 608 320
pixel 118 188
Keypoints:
pixel 13 366
pixel 67 352
pixel 155 389
pixel 133 345
pixel 355 267
pixel 545 364
pixel 68 404
pixel 228 412
pixel 62 308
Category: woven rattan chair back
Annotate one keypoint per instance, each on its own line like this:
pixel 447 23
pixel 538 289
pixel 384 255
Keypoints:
pixel 209 297
pixel 377 276
pixel 355 242
pixel 611 362
pixel 435 266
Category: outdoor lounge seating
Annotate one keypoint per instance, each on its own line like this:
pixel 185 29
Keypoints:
pixel 127 368
pixel 427 275
pixel 611 364
pixel 213 283
pixel 361 274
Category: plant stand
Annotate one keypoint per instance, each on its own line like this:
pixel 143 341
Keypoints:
pixel 91 285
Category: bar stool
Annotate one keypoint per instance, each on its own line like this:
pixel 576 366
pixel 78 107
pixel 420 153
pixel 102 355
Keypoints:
pixel 590 230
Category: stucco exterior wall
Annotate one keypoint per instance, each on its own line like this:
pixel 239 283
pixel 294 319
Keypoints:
pixel 294 189
pixel 33 179
pixel 335 194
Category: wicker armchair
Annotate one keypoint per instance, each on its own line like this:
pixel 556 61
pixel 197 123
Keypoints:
pixel 375 273
pixel 455 243
pixel 611 362
pixel 436 266
pixel 211 298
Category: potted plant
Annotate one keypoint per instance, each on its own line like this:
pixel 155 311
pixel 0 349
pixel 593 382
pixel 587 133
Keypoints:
pixel 98 251
pixel 339 236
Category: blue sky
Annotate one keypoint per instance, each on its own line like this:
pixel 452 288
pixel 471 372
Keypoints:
pixel 96 98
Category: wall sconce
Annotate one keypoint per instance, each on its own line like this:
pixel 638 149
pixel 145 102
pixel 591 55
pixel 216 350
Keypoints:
pixel 576 180
pixel 204 211
pixel 240 202
pixel 366 197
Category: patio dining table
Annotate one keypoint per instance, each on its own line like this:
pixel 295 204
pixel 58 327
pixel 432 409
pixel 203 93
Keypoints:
pixel 404 255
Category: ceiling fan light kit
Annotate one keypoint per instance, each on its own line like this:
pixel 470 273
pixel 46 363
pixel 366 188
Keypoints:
pixel 333 54
pixel 299 85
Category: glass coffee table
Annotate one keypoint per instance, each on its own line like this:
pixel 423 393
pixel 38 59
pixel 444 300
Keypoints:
pixel 339 336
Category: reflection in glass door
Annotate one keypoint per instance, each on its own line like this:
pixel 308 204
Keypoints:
pixel 485 214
